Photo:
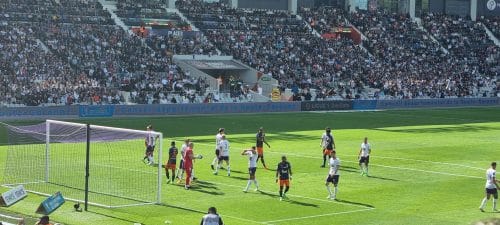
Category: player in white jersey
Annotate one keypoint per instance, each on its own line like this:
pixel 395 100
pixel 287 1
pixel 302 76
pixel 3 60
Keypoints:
pixel 491 187
pixel 223 155
pixel 364 156
pixel 333 175
pixel 252 167
pixel 218 138
pixel 180 173
pixel 150 142
pixel 211 218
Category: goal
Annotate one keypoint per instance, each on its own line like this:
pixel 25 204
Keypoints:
pixel 96 165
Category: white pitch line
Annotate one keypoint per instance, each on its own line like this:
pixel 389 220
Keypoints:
pixel 223 215
pixel 315 216
pixel 424 161
pixel 10 217
pixel 392 167
pixel 298 196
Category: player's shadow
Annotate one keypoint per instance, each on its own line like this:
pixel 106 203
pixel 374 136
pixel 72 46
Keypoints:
pixel 302 203
pixel 343 168
pixel 239 178
pixel 204 184
pixel 237 171
pixel 289 200
pixel 355 203
pixel 202 190
pixel 383 178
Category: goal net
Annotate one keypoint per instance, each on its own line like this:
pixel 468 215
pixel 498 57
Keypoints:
pixel 101 164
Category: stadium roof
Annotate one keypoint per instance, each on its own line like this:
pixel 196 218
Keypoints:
pixel 215 65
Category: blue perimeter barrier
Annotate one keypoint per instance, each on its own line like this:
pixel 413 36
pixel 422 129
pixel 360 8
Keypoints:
pixel 145 110
pixel 222 108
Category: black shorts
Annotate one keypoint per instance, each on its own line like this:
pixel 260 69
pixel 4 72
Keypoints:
pixel 492 191
pixel 365 159
pixel 181 164
pixel 333 178
pixel 226 158
pixel 150 149
pixel 252 171
pixel 217 152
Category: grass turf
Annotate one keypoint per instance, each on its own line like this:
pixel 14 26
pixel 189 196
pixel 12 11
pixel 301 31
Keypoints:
pixel 427 167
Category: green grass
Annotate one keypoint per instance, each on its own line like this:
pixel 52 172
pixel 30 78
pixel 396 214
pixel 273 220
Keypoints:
pixel 427 167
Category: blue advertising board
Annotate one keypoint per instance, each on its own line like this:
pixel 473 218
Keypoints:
pixel 212 108
pixel 436 102
pixel 96 110
pixel 50 204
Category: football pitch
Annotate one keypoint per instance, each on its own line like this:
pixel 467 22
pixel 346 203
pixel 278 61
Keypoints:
pixel 427 167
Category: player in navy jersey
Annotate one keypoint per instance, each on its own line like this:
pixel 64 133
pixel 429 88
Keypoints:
pixel 260 141
pixel 171 162
pixel 284 173
pixel 328 144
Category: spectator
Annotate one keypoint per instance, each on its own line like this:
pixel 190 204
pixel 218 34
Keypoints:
pixel 44 220
pixel 211 218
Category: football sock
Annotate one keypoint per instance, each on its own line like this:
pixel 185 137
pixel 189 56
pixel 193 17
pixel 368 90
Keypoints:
pixel 329 190
pixel 281 193
pixel 150 158
pixel 324 160
pixel 483 203
pixel 335 190
pixel 366 168
pixel 256 183
pixel 228 169
pixel 248 185
pixel 214 161
pixel 286 189
pixel 495 204
pixel 181 174
pixel 217 168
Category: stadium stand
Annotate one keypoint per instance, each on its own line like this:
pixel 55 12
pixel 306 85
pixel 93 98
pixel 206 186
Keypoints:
pixel 72 52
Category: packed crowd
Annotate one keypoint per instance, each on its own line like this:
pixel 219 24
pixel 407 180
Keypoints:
pixel 279 44
pixel 81 61
pixel 87 12
pixel 493 23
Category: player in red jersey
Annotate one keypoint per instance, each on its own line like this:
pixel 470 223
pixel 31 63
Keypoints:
pixel 188 164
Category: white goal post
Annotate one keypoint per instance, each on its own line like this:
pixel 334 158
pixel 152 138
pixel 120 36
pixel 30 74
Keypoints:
pixel 95 165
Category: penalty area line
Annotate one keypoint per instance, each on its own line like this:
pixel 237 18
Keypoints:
pixel 298 196
pixel 315 216
pixel 385 166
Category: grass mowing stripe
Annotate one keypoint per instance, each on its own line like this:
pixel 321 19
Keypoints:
pixel 298 196
pixel 315 216
pixel 385 166
pixel 424 161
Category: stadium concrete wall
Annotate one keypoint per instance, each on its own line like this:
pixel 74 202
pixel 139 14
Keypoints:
pixel 86 111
